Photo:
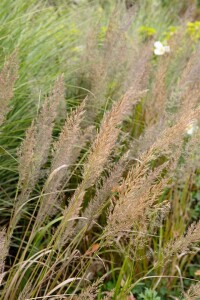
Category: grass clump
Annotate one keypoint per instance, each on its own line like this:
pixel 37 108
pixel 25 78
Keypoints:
pixel 100 176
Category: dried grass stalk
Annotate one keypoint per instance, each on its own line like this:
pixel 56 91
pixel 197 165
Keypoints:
pixel 25 294
pixel 3 252
pixel 95 206
pixel 193 293
pixel 65 153
pixel 100 152
pixel 34 150
pixel 8 77
pixel 143 186
pixel 107 137
pixel 183 244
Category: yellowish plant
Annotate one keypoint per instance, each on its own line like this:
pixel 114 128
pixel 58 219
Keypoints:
pixel 193 29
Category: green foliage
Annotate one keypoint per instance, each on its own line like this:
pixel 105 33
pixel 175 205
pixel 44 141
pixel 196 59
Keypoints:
pixel 149 295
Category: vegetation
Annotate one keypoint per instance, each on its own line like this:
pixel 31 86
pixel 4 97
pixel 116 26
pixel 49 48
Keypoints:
pixel 99 150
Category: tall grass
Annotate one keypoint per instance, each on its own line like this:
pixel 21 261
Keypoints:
pixel 98 177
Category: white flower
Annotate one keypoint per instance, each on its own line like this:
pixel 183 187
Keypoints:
pixel 160 49
pixel 192 127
